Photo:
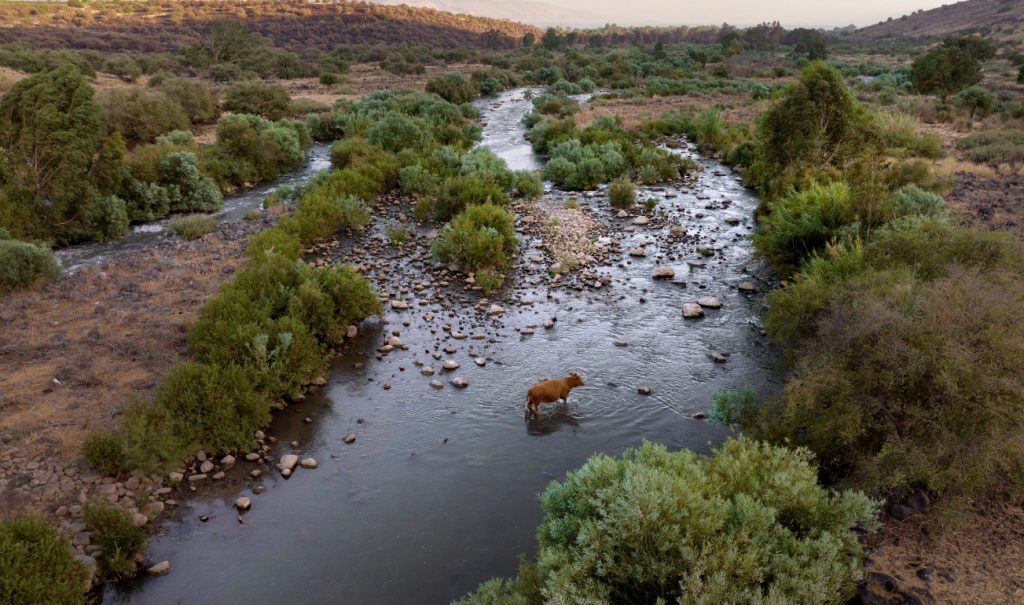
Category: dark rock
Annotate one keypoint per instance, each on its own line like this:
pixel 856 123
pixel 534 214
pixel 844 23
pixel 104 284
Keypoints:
pixel 900 512
pixel 926 574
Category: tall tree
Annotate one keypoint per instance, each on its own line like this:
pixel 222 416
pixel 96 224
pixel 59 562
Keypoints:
pixel 49 131
pixel 945 70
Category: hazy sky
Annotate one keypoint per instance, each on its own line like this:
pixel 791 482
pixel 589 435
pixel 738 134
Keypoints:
pixel 743 12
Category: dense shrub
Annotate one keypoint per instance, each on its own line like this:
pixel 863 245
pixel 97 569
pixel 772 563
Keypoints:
pixel 104 452
pixel 23 264
pixel 141 115
pixel 803 222
pixel 748 525
pixel 192 226
pixel 480 237
pixel 107 218
pixel 270 101
pixel 453 87
pixel 622 194
pixel 994 147
pixel 194 96
pixel 112 529
pixel 917 325
pixel 899 134
pixel 396 132
pixel 977 100
pixel 36 565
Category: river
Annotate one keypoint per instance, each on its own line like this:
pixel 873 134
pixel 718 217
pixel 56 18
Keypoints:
pixel 439 490
pixel 235 207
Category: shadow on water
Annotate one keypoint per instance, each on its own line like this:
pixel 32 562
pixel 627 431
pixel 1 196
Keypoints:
pixel 439 490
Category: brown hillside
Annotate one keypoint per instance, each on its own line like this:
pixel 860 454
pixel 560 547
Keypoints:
pixel 168 25
pixel 998 19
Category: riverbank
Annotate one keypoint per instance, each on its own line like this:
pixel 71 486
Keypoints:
pixel 82 348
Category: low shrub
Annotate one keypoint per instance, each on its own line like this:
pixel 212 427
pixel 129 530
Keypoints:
pixel 141 115
pixel 453 87
pixel 731 407
pixel 461 192
pixel 270 101
pixel 622 194
pixel 802 223
pixel 749 524
pixel 23 264
pixel 113 530
pixel 480 237
pixel 192 226
pixel 36 565
pixel 195 98
pixel 104 452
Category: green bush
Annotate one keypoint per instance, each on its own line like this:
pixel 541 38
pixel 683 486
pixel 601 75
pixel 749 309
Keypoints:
pixel 622 194
pixel 107 218
pixel 802 223
pixel 23 264
pixel 194 96
pixel 213 407
pixel 277 241
pixel 396 132
pixel 113 531
pixel 453 87
pixel 529 184
pixel 899 134
pixel 104 452
pixel 911 200
pixel 748 525
pixel 977 100
pixel 731 407
pixel 320 216
pixel 919 324
pixel 329 78
pixel 461 192
pixel 480 237
pixel 192 226
pixel 270 101
pixel 141 115
pixel 36 566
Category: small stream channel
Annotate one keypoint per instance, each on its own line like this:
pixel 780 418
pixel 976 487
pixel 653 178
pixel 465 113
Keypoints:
pixel 439 490
pixel 235 207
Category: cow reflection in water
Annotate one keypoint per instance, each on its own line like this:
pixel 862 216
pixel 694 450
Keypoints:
pixel 553 420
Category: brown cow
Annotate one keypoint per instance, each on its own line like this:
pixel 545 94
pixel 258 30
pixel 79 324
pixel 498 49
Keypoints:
pixel 547 391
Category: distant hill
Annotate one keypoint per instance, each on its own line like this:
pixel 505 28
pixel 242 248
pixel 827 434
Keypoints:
pixel 529 11
pixel 168 25
pixel 997 19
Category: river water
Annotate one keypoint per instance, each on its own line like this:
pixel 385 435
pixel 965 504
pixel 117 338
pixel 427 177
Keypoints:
pixel 235 207
pixel 439 490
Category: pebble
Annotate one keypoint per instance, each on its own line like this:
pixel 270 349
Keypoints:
pixel 288 462
pixel 664 272
pixel 161 568
pixel 243 503
pixel 710 302
pixel 460 382
pixel 643 390
pixel 480 361
pixel 719 357
pixel 206 467
pixel 427 371
pixel 399 305
pixel 308 463
pixel 747 287
pixel 437 384
pixel 450 364
pixel 638 252
pixel 350 438
pixel 641 220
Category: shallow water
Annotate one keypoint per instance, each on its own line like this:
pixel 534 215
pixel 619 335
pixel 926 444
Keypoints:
pixel 439 491
pixel 141 237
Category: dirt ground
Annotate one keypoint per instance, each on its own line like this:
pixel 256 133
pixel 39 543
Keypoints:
pixel 979 562
pixel 75 352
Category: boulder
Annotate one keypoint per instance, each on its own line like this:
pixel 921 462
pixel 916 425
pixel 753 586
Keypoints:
pixel 309 463
pixel 460 382
pixel 664 272
pixel 288 462
pixel 243 503
pixel 710 302
pixel 159 569
pixel 638 252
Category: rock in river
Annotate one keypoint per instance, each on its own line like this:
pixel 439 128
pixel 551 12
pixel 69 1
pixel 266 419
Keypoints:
pixel 308 463
pixel 710 302
pixel 159 569
pixel 638 252
pixel 399 305
pixel 460 382
pixel 664 272
pixel 692 311
pixel 451 364
pixel 243 503
pixel 288 462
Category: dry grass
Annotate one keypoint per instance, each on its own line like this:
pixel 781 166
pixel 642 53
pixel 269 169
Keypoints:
pixel 635 110
pixel 985 555
pixel 77 351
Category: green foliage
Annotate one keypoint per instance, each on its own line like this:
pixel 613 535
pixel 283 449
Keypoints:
pixel 994 146
pixel 730 407
pixel 396 132
pixel 529 184
pixel 803 222
pixel 919 325
pixel 49 131
pixel 23 264
pixel 622 194
pixel 104 452
pixel 113 531
pixel 453 87
pixel 321 215
pixel 911 200
pixel 107 218
pixel 213 407
pixel 36 566
pixel 250 149
pixel 899 134
pixel 977 100
pixel 748 525
pixel 270 101
pixel 141 115
pixel 461 192
pixel 945 70
pixel 480 237
pixel 815 126
pixel 192 226
pixel 194 96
